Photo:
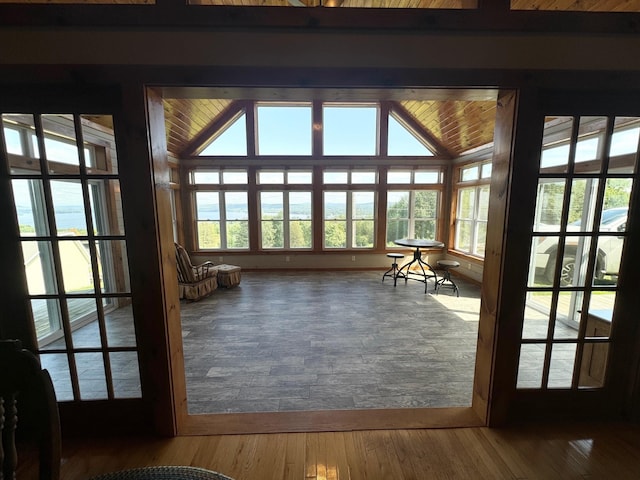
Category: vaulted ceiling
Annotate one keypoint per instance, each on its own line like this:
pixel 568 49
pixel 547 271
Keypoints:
pixel 457 125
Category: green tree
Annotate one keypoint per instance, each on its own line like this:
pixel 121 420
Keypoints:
pixel 335 234
pixel 300 234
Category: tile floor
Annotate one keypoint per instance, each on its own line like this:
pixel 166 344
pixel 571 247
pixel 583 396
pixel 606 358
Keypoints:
pixel 329 340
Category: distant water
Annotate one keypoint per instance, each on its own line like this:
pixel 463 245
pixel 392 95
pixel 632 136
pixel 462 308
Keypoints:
pixel 67 218
pixel 73 216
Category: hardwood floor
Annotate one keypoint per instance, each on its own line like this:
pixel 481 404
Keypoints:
pixel 545 452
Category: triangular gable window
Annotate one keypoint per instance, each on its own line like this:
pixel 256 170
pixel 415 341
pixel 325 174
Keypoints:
pixel 231 141
pixel 404 142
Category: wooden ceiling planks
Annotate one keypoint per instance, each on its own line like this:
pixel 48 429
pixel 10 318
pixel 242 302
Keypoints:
pixel 186 118
pixel 459 125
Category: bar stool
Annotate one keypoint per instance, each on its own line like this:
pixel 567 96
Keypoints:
pixel 393 271
pixel 445 266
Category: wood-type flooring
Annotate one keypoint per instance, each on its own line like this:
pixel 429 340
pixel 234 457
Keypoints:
pixel 534 452
pixel 291 341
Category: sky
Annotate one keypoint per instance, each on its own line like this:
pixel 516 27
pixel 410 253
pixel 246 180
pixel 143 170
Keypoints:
pixel 287 130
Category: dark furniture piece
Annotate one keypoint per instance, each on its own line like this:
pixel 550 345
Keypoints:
pixel 393 271
pixel 424 274
pixel 27 392
pixel 445 267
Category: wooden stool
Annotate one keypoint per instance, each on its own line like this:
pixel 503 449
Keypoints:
pixel 228 275
pixel 393 271
pixel 445 266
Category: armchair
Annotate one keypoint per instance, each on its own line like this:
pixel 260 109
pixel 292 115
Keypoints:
pixel 194 281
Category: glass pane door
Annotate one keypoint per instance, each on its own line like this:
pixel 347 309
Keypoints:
pixel 585 182
pixel 66 193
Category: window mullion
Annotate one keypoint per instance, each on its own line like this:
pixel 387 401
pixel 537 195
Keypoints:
pixel 350 219
pixel 223 219
pixel 285 220
pixel 57 263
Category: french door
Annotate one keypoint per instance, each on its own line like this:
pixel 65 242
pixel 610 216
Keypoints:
pixel 567 330
pixel 63 173
pixel 585 182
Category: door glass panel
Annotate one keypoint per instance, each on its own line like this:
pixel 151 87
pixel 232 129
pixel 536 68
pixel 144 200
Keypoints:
pixel 28 196
pixel 106 207
pixel 58 366
pixel 113 266
pixel 588 157
pixel 594 365
pixel 561 365
pixel 530 365
pixel 75 261
pixel 98 128
pixel 556 144
pixel 549 205
pixel 543 261
pixel 46 315
pixel 600 314
pixel 68 207
pixel 119 324
pixel 616 205
pixel 60 144
pixel 38 264
pixel 624 145
pixel 81 311
pixel 126 375
pixel 581 205
pixel 573 269
pixel 536 316
pixel 91 376
pixel 19 131
pixel 568 315
pixel 608 260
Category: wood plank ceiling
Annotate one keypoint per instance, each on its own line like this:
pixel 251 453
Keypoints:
pixel 458 125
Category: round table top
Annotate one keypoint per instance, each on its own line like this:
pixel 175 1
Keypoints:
pixel 419 243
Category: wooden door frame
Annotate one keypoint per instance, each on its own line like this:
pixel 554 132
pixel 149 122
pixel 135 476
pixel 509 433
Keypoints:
pixel 475 415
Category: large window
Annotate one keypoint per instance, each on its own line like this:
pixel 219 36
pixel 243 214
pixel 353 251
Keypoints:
pixel 349 215
pixel 412 213
pixel 306 176
pixel 222 210
pixel 472 207
pixel 285 215
pixel 283 129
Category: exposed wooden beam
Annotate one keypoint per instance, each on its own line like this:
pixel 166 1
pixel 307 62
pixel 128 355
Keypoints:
pixel 489 16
